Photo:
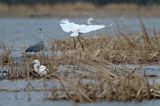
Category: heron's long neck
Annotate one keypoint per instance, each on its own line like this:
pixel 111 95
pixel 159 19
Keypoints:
pixel 41 35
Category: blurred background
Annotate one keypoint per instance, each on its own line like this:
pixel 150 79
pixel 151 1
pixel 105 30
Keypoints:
pixel 97 2
pixel 79 7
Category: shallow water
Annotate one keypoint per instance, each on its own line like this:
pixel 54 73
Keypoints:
pixel 38 98
pixel 19 99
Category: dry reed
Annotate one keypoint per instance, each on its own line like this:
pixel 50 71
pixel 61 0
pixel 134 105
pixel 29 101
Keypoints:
pixel 84 76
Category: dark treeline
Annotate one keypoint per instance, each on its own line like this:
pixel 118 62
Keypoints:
pixel 96 2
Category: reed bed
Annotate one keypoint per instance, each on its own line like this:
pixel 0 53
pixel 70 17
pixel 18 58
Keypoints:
pixel 85 76
pixel 125 48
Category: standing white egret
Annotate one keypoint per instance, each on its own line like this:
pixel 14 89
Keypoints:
pixel 40 69
pixel 37 47
pixel 77 29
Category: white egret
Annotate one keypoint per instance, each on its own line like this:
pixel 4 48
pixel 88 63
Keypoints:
pixel 40 69
pixel 77 29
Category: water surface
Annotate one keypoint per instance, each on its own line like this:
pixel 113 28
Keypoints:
pixel 38 98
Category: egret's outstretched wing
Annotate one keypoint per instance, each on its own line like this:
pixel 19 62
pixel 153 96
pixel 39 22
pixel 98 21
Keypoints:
pixel 90 28
pixel 68 26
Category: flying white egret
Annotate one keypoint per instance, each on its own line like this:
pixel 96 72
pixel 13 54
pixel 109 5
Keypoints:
pixel 77 29
pixel 37 47
pixel 40 69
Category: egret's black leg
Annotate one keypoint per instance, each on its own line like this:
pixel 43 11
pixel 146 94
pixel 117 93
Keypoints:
pixel 80 43
pixel 74 42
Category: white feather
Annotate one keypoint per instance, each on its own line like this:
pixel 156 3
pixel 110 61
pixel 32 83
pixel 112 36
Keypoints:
pixel 90 28
pixel 68 26
pixel 40 69
pixel 74 34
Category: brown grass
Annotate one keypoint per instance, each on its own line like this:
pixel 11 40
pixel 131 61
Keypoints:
pixel 85 76
pixel 6 54
pixel 78 9
pixel 108 84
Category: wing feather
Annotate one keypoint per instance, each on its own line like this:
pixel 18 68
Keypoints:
pixel 42 70
pixel 74 34
pixel 68 26
pixel 90 28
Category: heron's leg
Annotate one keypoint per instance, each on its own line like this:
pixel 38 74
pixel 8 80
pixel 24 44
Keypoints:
pixel 74 42
pixel 80 43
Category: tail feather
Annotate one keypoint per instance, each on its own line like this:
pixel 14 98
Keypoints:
pixel 28 50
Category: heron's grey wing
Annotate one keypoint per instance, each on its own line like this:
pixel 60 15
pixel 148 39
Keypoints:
pixel 90 28
pixel 36 48
pixel 68 26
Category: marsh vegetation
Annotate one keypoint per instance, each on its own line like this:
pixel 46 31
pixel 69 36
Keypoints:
pixel 90 75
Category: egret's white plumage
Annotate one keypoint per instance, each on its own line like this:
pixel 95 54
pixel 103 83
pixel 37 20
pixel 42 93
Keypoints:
pixel 77 29
pixel 40 69
pixel 68 26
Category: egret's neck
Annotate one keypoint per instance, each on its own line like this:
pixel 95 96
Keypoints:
pixel 89 22
pixel 36 67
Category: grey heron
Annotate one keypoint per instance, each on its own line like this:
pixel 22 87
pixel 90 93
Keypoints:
pixel 36 47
